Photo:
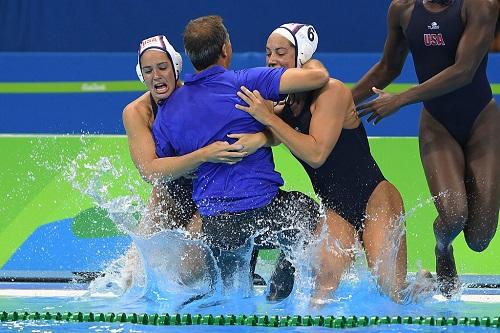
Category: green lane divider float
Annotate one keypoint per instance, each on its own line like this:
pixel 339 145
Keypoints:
pixel 252 320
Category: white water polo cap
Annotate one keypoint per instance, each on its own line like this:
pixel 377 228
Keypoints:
pixel 303 36
pixel 161 44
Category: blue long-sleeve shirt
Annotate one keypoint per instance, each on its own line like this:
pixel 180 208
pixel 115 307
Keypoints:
pixel 202 112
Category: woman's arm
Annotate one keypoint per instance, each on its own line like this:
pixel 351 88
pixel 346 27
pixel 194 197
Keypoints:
pixel 328 113
pixel 472 48
pixel 152 168
pixel 393 58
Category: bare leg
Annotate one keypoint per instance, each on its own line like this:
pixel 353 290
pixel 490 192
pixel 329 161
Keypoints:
pixel 193 264
pixel 334 255
pixel 162 213
pixel 194 226
pixel 132 264
pixel 444 166
pixel 482 162
pixel 150 223
pixel 384 239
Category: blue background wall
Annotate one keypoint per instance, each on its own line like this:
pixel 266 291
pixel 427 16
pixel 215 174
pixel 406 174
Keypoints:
pixel 119 25
pixel 100 112
pixel 95 40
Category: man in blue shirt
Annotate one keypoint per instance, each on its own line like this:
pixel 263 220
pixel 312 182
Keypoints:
pixel 236 201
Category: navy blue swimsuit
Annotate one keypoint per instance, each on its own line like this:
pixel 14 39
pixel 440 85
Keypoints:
pixel 349 175
pixel 433 40
pixel 180 189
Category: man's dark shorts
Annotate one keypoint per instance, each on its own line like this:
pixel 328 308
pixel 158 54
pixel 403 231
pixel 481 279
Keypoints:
pixel 289 217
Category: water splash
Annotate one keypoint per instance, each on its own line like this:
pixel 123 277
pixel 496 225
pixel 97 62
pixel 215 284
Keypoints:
pixel 177 272
pixel 166 266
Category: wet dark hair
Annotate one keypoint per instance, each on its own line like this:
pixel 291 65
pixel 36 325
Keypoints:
pixel 203 40
pixel 442 2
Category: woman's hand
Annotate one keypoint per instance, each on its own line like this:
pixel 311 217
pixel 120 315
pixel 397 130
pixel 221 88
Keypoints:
pixel 257 107
pixel 382 106
pixel 223 152
pixel 250 142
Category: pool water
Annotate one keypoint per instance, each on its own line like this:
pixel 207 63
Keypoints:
pixel 354 298
pixel 167 280
pixel 163 289
pixel 60 327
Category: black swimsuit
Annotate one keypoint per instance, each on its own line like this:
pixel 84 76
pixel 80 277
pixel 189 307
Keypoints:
pixel 349 175
pixel 433 40
pixel 180 189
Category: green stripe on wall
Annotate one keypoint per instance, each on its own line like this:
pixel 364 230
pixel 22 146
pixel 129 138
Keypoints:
pixel 69 87
pixel 125 86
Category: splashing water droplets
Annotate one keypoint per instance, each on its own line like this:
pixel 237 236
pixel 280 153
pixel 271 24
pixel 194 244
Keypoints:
pixel 170 267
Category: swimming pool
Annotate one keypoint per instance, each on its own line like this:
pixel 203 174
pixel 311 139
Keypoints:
pixel 67 307
pixel 77 244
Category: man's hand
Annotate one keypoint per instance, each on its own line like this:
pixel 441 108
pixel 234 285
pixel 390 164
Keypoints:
pixel 382 106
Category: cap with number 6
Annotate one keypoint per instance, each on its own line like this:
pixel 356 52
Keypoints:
pixel 303 36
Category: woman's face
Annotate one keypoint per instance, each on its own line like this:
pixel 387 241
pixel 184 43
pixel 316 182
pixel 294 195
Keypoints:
pixel 279 52
pixel 158 73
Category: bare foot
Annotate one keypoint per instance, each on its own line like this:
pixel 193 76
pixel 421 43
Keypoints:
pixel 446 271
pixel 321 295
pixel 318 303
pixel 424 286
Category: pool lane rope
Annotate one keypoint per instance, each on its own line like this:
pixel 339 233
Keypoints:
pixel 251 320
